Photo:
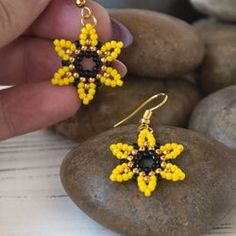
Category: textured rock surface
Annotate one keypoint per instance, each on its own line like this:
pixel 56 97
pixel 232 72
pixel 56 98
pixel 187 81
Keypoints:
pixel 219 66
pixel 112 105
pixel 163 46
pixel 175 209
pixel 222 9
pixel 215 116
pixel 179 8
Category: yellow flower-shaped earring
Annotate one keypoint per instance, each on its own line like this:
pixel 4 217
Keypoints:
pixel 88 47
pixel 146 161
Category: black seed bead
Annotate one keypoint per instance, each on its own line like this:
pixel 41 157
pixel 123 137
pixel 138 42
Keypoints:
pixel 109 64
pixel 135 176
pixel 99 45
pixel 147 170
pixel 75 83
pixel 77 43
pixel 122 161
pixel 65 63
pixel 135 145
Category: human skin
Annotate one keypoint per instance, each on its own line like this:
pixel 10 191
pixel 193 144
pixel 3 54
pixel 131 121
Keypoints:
pixel 28 61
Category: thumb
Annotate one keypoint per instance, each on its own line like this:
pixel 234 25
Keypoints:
pixel 16 16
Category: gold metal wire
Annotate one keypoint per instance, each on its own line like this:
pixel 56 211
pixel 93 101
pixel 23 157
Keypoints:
pixel 87 16
pixel 148 113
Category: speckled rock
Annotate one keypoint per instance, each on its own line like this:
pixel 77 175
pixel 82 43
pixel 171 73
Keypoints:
pixel 112 105
pixel 163 46
pixel 222 9
pixel 175 209
pixel 219 119
pixel 179 8
pixel 219 65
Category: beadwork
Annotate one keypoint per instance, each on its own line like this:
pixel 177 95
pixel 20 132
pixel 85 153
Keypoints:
pixel 88 47
pixel 146 162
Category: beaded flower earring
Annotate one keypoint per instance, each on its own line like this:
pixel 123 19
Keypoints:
pixel 73 54
pixel 146 161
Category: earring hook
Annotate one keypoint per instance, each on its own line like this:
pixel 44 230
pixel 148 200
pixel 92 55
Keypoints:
pixel 148 113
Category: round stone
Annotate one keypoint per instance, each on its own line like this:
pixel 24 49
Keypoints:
pixel 215 116
pixel 163 47
pixel 179 8
pixel 219 66
pixel 221 9
pixel 189 207
pixel 112 105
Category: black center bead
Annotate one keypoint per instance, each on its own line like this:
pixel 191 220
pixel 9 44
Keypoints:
pixel 147 161
pixel 89 55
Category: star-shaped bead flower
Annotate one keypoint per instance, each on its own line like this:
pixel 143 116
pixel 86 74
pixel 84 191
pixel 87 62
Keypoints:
pixel 146 162
pixel 74 55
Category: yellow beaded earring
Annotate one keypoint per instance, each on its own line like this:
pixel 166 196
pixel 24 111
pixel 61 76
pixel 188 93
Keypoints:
pixel 88 46
pixel 146 161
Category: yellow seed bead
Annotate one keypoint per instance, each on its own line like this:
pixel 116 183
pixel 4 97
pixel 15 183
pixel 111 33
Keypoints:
pixel 120 44
pixel 85 101
pixel 113 84
pixel 88 26
pixel 80 90
pixel 60 82
pixel 56 42
pixel 94 43
pixel 114 73
pixel 120 83
pixel 117 51
pixel 83 36
pixel 110 59
pixel 147 193
pixel 117 77
pixel 113 43
pixel 81 85
pixel 63 42
pixel 73 47
pixel 92 86
pixel 66 57
pixel 90 97
pixel 108 82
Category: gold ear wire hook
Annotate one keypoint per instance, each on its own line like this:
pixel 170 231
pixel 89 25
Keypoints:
pixel 148 113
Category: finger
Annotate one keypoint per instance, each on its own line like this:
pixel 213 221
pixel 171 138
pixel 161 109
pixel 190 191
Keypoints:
pixel 63 20
pixel 30 107
pixel 30 59
pixel 16 16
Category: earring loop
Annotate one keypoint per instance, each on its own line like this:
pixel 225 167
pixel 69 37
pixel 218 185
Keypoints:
pixel 148 113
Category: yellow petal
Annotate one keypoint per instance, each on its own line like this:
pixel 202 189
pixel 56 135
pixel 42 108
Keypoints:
pixel 146 137
pixel 173 173
pixel 119 174
pixel 112 78
pixel 64 48
pixel 61 77
pixel 147 184
pixel 173 150
pixel 88 36
pixel 86 92
pixel 112 50
pixel 121 150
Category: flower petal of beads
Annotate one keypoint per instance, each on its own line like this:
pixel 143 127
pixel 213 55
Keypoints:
pixel 147 184
pixel 121 173
pixel 62 77
pixel 64 48
pixel 86 92
pixel 112 50
pixel 121 150
pixel 172 150
pixel 111 78
pixel 88 33
pixel 146 138
pixel 172 173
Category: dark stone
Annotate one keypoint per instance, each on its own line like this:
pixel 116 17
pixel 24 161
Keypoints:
pixel 175 209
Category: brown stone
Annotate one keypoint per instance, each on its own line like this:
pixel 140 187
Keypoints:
pixel 222 9
pixel 163 46
pixel 219 119
pixel 112 105
pixel 179 8
pixel 219 65
pixel 175 209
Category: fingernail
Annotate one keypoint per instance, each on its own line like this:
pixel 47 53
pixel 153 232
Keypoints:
pixel 120 32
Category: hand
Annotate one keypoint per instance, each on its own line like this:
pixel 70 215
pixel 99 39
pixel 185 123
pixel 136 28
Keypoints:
pixel 28 61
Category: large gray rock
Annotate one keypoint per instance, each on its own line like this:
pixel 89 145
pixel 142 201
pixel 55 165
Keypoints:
pixel 174 209
pixel 112 105
pixel 219 65
pixel 222 9
pixel 163 47
pixel 215 116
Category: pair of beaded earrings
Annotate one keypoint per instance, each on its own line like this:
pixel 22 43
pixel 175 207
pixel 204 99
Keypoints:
pixel 146 149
